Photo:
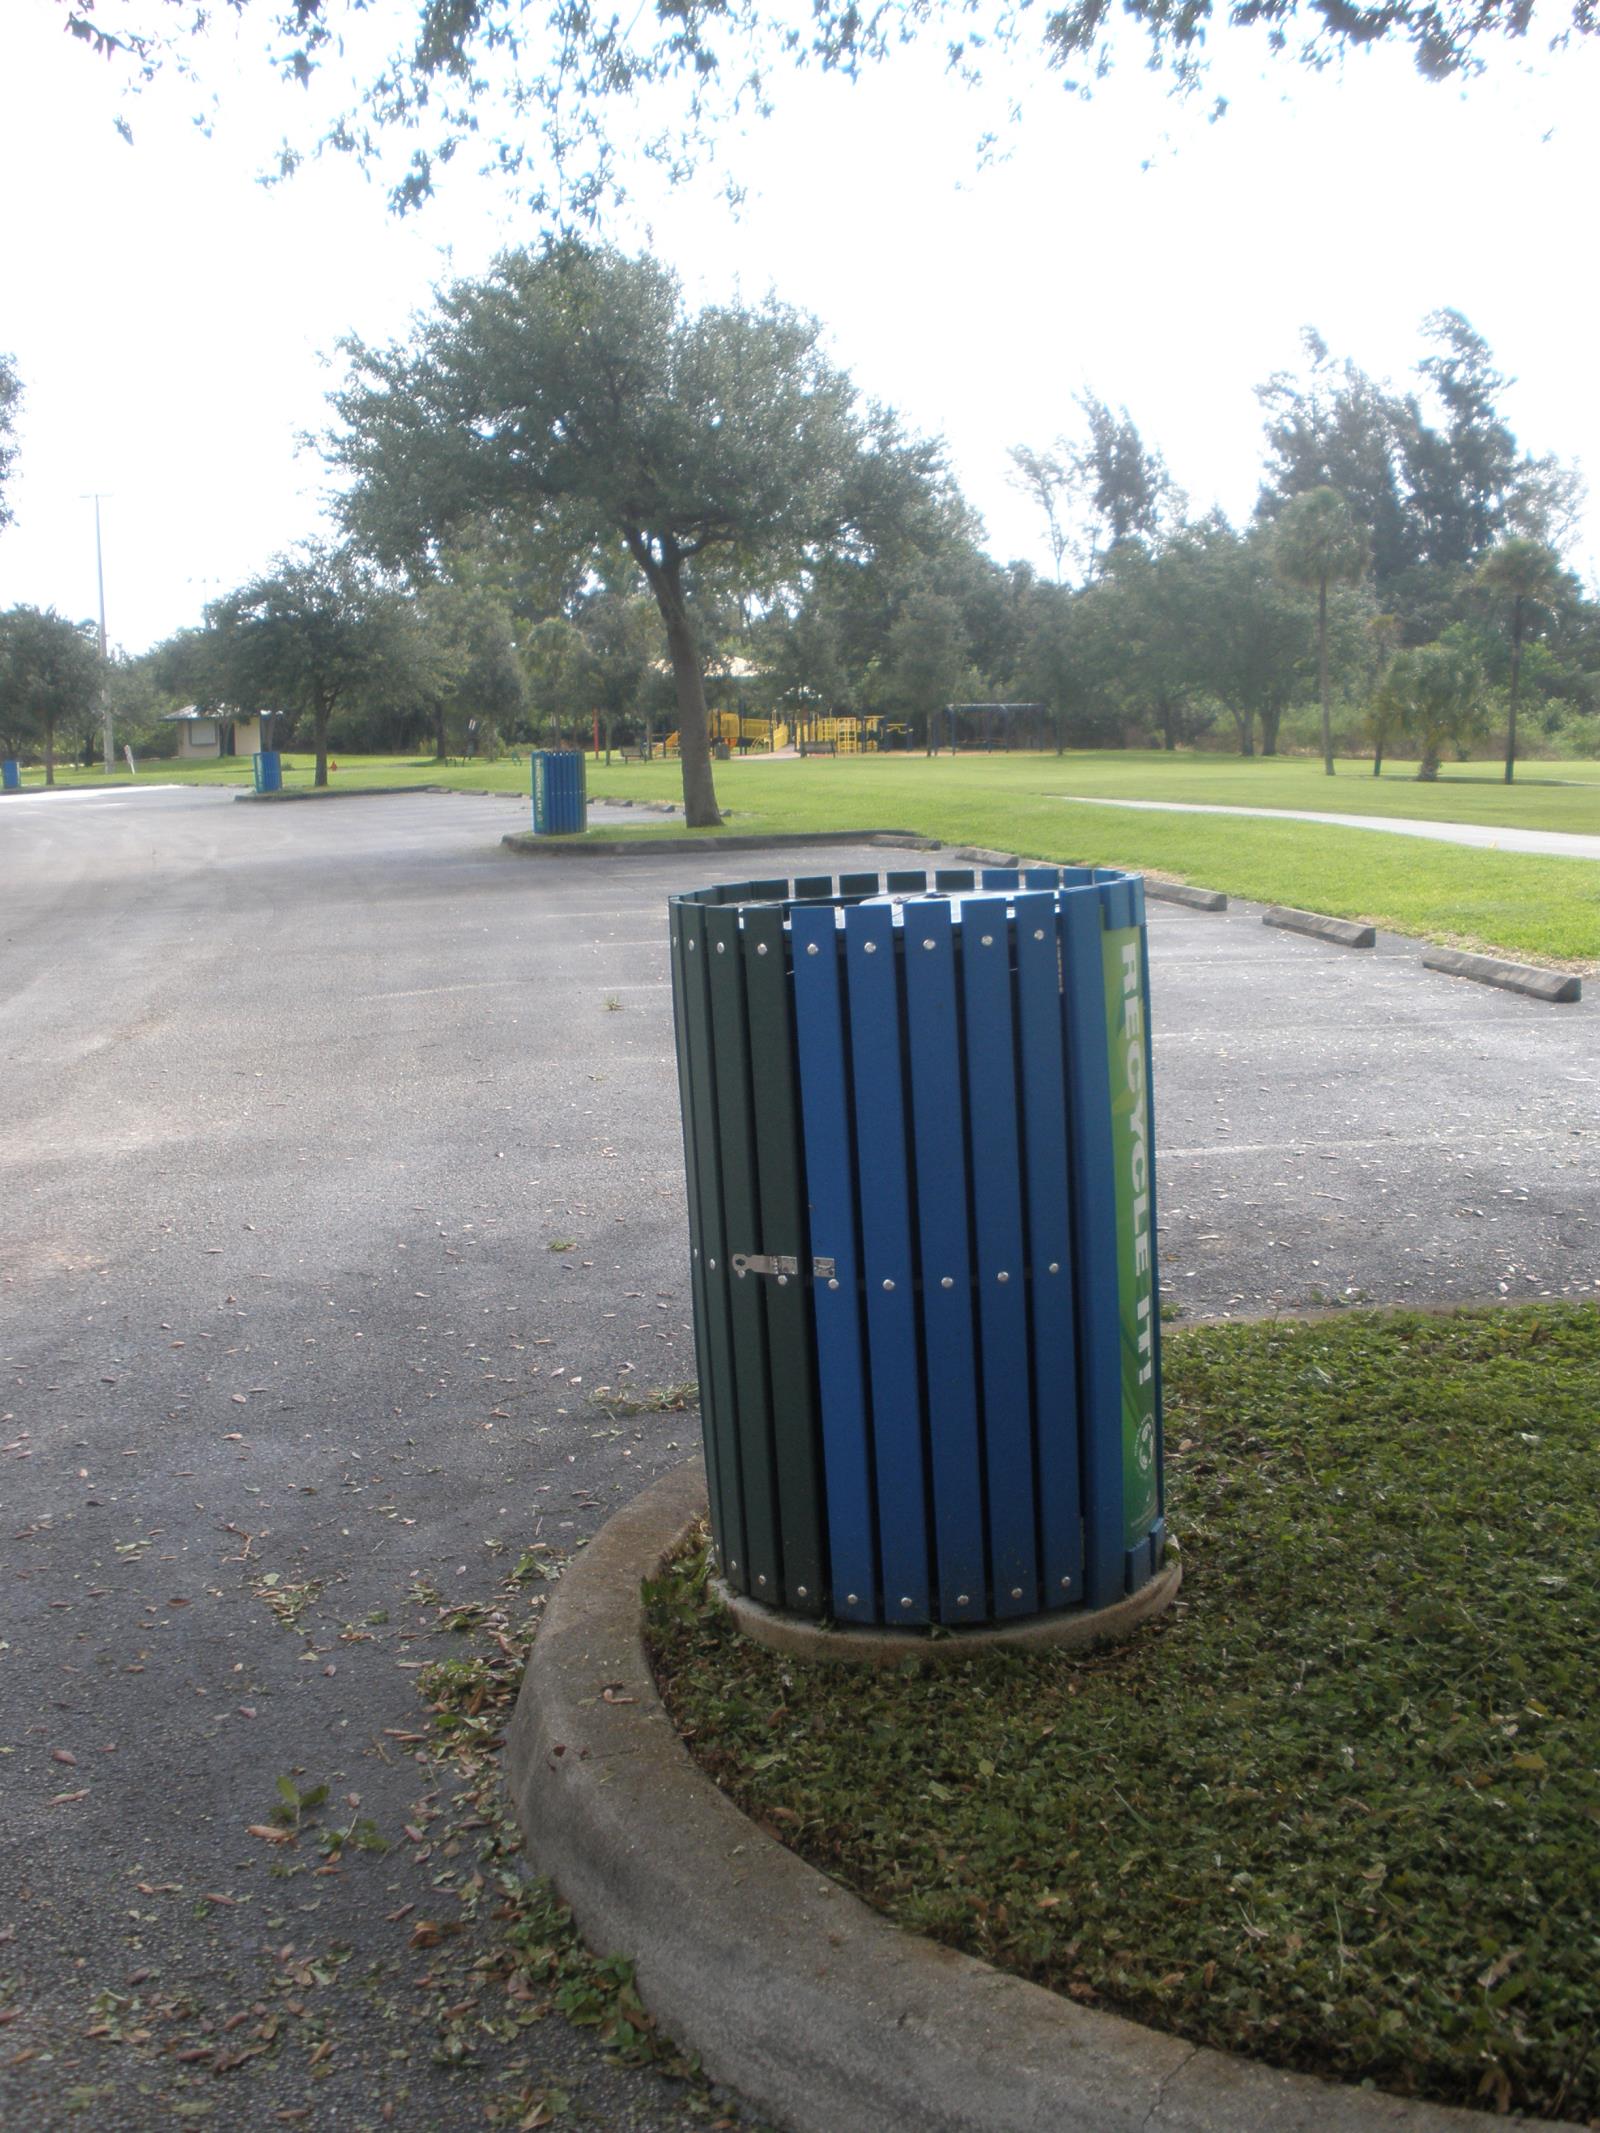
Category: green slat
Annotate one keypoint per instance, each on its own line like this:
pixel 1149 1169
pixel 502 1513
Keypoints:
pixel 810 885
pixel 680 1035
pixel 742 1215
pixel 775 890
pixel 796 1445
pixel 715 1350
pixel 859 884
pixel 906 880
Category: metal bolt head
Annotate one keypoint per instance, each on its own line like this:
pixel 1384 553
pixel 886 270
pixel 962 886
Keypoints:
pixel 1055 1266
pixel 800 1592
pixel 927 944
pixel 1066 1584
pixel 869 947
pixel 712 1264
pixel 761 947
pixel 852 1599
pixel 888 1284
pixel 722 947
pixel 783 1281
pixel 962 1600
pixel 906 1600
pixel 833 1284
pixel 761 1580
pixel 811 947
pixel 1038 933
pixel 693 945
pixel 733 1566
pixel 988 940
pixel 947 1281
pixel 1002 1277
pixel 1016 1590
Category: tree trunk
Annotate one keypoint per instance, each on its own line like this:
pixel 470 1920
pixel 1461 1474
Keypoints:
pixel 439 734
pixel 1322 674
pixel 1377 759
pixel 1271 719
pixel 321 724
pixel 1516 677
pixel 1428 768
pixel 665 577
pixel 49 751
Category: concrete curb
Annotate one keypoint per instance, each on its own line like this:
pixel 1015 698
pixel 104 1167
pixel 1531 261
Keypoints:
pixel 1345 931
pixel 793 1992
pixel 529 846
pixel 1557 986
pixel 340 792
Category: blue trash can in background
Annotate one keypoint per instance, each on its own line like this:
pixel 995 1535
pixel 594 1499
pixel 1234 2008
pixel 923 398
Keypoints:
pixel 268 769
pixel 560 792
pixel 917 1123
pixel 10 775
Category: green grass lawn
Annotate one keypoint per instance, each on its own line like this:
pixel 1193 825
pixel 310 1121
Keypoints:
pixel 1544 910
pixel 1339 1808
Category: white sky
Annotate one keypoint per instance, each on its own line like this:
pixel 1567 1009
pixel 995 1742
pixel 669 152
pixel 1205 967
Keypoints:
pixel 172 319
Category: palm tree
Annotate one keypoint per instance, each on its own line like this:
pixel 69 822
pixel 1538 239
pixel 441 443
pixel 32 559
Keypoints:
pixel 1529 575
pixel 1319 544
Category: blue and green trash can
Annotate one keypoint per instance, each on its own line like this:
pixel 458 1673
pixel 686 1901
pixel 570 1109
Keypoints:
pixel 918 1131
pixel 560 792
pixel 267 770
pixel 10 775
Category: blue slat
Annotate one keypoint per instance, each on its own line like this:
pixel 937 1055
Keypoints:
pixel 943 1219
pixel 831 1192
pixel 888 1267
pixel 1001 1254
pixel 1055 1359
pixel 1094 1216
pixel 1000 877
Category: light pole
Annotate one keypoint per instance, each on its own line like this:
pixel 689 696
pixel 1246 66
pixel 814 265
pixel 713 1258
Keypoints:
pixel 105 683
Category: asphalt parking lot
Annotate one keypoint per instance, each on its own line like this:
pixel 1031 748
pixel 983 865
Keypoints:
pixel 340 1168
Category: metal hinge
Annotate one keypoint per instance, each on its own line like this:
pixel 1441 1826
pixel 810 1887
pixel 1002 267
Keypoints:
pixel 782 1264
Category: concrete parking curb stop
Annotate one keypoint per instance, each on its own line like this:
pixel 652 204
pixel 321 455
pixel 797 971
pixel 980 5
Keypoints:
pixel 1558 986
pixel 1347 932
pixel 815 2008
pixel 1179 892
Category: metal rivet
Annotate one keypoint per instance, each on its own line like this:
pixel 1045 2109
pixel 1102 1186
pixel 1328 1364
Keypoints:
pixel 712 1264
pixel 1016 1590
pixel 927 944
pixel 851 1600
pixel 762 1580
pixel 811 947
pixel 801 1593
pixel 693 945
pixel 1055 1266
pixel 888 1284
pixel 869 947
pixel 1066 1584
pixel 1002 1277
pixel 722 947
pixel 783 1281
pixel 962 1600
pixel 906 1602
pixel 833 1284
pixel 733 1566
pixel 988 940
pixel 1038 933
pixel 947 1281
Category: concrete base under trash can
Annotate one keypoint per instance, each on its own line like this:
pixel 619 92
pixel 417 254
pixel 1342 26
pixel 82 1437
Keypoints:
pixel 855 1644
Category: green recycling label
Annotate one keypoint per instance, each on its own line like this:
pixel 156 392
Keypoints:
pixel 1136 1282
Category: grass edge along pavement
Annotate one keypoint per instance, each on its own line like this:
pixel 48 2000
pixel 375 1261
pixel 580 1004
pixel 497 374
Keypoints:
pixel 1541 910
pixel 1340 1808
